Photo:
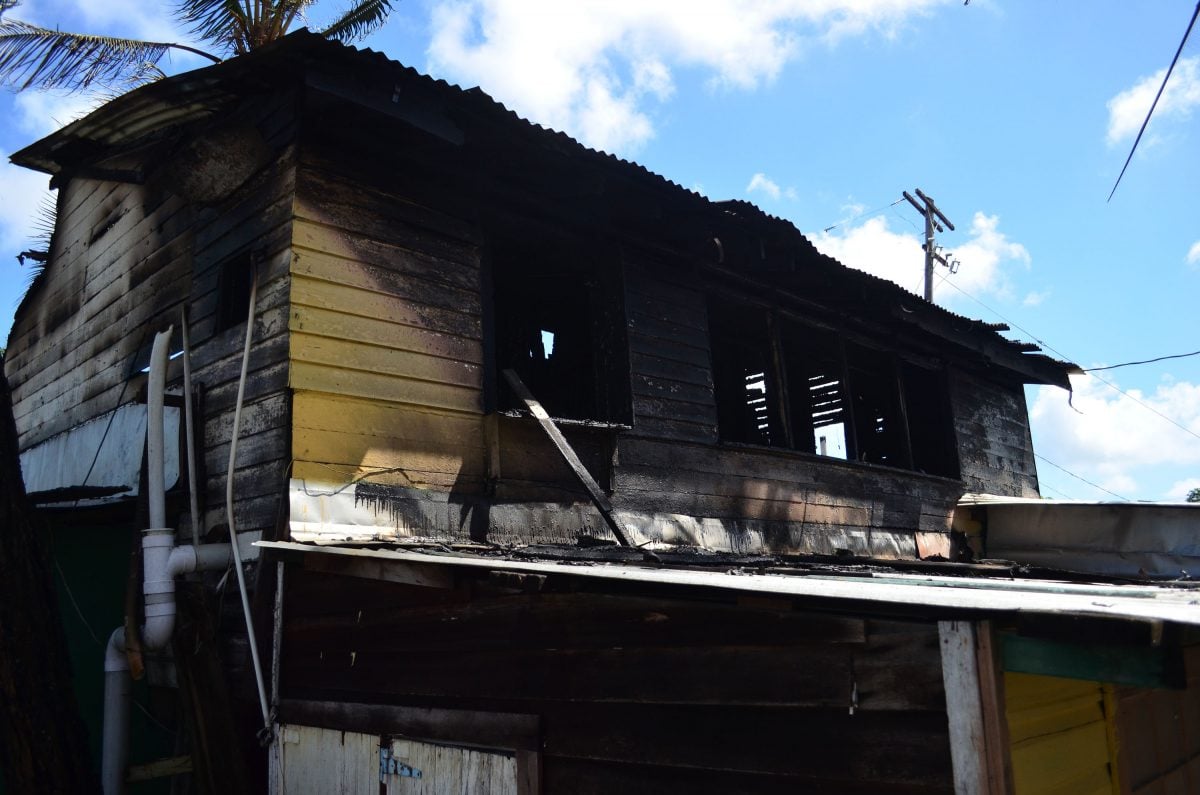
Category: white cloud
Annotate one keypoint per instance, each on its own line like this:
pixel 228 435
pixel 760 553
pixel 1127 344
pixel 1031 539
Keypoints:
pixel 1193 255
pixel 986 258
pixel 592 67
pixel 876 249
pixel 1109 438
pixel 1181 488
pixel 40 113
pixel 1128 109
pixel 760 182
pixel 1035 298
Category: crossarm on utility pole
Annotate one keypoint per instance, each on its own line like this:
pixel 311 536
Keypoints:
pixel 599 498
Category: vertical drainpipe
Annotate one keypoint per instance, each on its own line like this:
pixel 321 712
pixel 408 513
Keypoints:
pixel 162 561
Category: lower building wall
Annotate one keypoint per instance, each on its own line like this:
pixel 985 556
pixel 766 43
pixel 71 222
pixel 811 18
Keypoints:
pixel 625 692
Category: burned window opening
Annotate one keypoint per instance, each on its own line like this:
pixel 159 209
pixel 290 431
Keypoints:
pixel 233 290
pixel 559 324
pixel 780 383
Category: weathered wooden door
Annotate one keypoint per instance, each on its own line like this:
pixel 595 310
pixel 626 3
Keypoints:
pixel 316 761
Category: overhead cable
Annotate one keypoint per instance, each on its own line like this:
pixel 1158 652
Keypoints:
pixel 1154 104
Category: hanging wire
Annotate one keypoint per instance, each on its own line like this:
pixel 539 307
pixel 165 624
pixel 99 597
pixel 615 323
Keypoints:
pixel 1154 104
pixel 862 214
pixel 1144 361
pixel 1080 478
pixel 1059 353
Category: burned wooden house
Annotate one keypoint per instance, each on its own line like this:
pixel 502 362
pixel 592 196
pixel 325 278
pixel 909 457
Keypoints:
pixel 548 475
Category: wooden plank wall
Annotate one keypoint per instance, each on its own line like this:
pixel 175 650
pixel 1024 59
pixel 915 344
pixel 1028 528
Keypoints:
pixel 126 259
pixel 671 475
pixel 995 448
pixel 1060 736
pixel 386 336
pixel 1158 735
pixel 638 693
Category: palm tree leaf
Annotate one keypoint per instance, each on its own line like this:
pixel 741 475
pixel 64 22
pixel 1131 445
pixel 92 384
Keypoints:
pixel 360 21
pixel 223 22
pixel 32 56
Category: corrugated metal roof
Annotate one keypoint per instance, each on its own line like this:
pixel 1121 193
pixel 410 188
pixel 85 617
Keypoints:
pixel 193 95
pixel 936 595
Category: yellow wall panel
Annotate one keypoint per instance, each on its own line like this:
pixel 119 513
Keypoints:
pixel 1060 736
pixel 382 333
pixel 373 358
pixel 380 386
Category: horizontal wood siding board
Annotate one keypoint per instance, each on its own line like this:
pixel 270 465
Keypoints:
pixel 671 351
pixel 376 452
pixel 908 748
pixel 675 410
pixel 684 312
pixel 688 394
pixel 656 365
pixel 345 270
pixel 356 220
pixel 357 383
pixel 462 485
pixel 380 360
pixel 656 330
pixel 360 301
pixel 380 333
pixel 783 465
pixel 332 412
pixel 593 777
pixel 460 273
pixel 327 174
pixel 675 430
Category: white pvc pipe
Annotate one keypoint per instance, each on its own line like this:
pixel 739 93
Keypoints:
pixel 156 488
pixel 117 697
pixel 161 564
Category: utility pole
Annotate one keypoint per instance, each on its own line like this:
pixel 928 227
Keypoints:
pixel 932 218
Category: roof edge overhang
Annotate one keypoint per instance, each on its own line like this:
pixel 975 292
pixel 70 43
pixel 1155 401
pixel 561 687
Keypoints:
pixel 936 597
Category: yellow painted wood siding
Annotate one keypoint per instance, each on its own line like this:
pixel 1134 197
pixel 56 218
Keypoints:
pixel 385 339
pixel 1060 733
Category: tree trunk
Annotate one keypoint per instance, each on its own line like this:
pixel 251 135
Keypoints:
pixel 43 742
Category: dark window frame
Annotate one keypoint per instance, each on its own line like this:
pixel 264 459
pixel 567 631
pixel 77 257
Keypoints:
pixel 815 377
pixel 574 290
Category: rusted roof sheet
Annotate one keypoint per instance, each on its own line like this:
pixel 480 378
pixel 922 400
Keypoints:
pixel 931 594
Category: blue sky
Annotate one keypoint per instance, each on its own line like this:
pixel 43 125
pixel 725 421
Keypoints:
pixel 1015 116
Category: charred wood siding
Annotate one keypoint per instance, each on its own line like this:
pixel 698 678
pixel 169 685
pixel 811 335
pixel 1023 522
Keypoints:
pixel 119 268
pixel 637 693
pixel 126 259
pixel 385 332
pixel 995 449
pixel 675 482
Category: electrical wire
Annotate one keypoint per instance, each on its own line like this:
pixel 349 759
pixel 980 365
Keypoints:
pixel 1059 353
pixel 1154 104
pixel 1144 361
pixel 862 214
pixel 1085 480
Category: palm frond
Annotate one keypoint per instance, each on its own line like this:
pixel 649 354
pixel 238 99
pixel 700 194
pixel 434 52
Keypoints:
pixel 226 23
pixel 360 21
pixel 7 5
pixel 32 56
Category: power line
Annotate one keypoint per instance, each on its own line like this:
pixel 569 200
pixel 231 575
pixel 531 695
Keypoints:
pixel 1154 104
pixel 1144 361
pixel 1085 480
pixel 1059 353
pixel 860 215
